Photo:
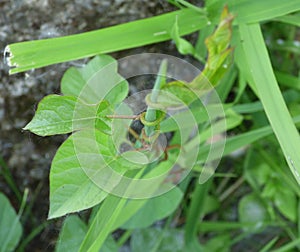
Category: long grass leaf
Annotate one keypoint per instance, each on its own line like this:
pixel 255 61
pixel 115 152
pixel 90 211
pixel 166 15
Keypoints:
pixel 262 73
pixel 39 53
pixel 239 141
pixel 289 19
pixel 247 11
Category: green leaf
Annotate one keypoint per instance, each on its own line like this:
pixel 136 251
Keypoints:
pixel 86 162
pixel 256 55
pixel 10 226
pixel 71 190
pixel 64 114
pixel 219 51
pixel 71 234
pixel 286 201
pixel 253 11
pixel 183 46
pixel 234 143
pixel 152 239
pixel 96 81
pixel 39 53
pixel 289 19
pixel 155 209
pixel 259 173
pixel 176 94
pixel 115 211
pixel 252 209
pixel 102 223
pixel 231 120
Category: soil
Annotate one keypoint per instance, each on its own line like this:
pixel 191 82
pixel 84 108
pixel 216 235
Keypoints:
pixel 28 157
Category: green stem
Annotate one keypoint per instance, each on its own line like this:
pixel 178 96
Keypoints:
pixel 124 238
pixel 195 213
pixel 160 81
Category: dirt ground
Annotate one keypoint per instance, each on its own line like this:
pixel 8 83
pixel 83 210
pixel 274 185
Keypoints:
pixel 27 156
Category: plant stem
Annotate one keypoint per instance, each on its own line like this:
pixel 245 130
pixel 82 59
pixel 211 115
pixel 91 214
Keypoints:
pixel 160 81
pixel 124 238
pixel 195 213
pixel 231 189
pixel 123 116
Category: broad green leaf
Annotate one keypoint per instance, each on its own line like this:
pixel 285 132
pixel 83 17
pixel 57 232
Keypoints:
pixel 259 173
pixel 71 234
pixel 155 209
pixel 86 159
pixel 153 239
pixel 86 162
pixel 39 53
pixel 64 114
pixel 136 157
pixel 286 201
pixel 252 209
pixel 10 226
pixel 96 81
pixel 71 190
pixel 270 95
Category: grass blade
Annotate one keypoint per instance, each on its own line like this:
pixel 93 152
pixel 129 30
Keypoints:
pixel 254 11
pixel 269 245
pixel 262 73
pixel 39 53
pixel 288 246
pixel 289 19
pixel 239 141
